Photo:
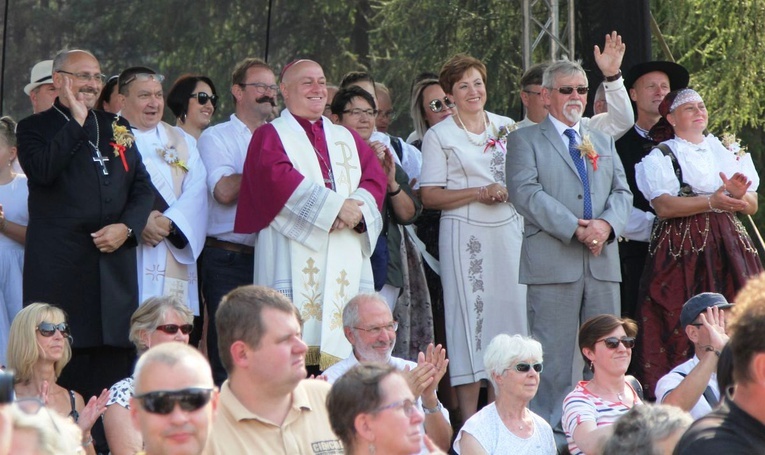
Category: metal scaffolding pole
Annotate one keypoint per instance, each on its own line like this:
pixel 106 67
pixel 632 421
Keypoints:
pixel 541 22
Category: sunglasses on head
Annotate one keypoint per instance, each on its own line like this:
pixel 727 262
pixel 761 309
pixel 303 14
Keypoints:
pixel 48 329
pixel 613 342
pixel 163 402
pixel 567 90
pixel 172 329
pixel 437 105
pixel 524 367
pixel 203 97
pixel 142 77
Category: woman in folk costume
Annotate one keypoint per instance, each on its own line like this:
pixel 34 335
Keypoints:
pixel 697 186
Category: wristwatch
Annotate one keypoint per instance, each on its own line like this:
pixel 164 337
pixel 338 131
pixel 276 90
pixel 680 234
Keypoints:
pixel 614 77
pixel 435 410
pixel 130 232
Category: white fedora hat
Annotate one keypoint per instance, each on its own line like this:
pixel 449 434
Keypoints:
pixel 42 73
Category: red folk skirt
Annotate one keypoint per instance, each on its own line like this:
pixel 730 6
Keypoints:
pixel 708 252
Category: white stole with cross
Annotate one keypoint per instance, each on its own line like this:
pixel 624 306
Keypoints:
pixel 165 269
pixel 325 269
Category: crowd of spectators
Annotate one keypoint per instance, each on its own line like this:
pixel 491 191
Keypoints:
pixel 291 280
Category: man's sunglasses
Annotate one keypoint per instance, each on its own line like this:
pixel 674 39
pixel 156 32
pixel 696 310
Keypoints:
pixel 163 402
pixel 437 105
pixel 524 367
pixel 48 329
pixel 613 342
pixel 203 97
pixel 567 90
pixel 172 329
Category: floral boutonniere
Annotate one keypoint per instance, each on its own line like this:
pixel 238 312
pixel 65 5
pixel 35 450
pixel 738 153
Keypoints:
pixel 586 149
pixel 733 144
pixel 123 139
pixel 501 138
pixel 170 155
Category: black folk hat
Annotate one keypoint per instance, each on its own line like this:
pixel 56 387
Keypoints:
pixel 677 74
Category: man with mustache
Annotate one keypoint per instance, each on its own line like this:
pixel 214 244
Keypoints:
pixel 175 230
pixel 369 327
pixel 569 184
pixel 227 259
pixel 312 191
pixel 87 207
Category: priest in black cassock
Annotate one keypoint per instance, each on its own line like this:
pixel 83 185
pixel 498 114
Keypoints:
pixel 89 198
pixel 648 83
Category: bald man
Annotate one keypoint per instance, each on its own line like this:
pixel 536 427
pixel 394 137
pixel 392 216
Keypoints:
pixel 312 191
pixel 174 401
pixel 88 202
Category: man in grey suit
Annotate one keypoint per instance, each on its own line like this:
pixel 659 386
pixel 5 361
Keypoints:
pixel 569 184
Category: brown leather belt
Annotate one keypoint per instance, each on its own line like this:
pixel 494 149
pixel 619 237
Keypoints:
pixel 229 246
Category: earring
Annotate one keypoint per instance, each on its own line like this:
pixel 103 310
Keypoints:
pixel 372 449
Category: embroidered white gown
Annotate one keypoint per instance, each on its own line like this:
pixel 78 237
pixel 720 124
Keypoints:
pixel 479 247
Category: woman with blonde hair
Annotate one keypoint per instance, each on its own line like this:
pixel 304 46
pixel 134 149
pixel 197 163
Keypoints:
pixel 39 347
pixel 158 320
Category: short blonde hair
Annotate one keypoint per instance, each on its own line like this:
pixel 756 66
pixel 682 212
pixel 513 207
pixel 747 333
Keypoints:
pixel 151 313
pixel 23 349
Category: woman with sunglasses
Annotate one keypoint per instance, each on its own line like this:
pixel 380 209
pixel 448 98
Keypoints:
pixel 429 107
pixel 698 186
pixel 39 347
pixel 158 320
pixel 606 343
pixel 514 364
pixel 193 100
pixel 463 175
pixel 372 410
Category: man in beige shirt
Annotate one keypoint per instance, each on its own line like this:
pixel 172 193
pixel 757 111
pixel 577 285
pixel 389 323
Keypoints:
pixel 267 405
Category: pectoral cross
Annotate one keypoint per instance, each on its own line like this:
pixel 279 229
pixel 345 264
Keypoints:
pixel 101 160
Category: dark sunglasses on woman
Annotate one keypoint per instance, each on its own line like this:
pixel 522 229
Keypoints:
pixel 163 402
pixel 48 329
pixel 524 367
pixel 437 105
pixel 613 342
pixel 203 97
pixel 172 329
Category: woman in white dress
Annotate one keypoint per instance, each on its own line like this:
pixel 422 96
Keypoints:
pixel 514 364
pixel 13 231
pixel 463 175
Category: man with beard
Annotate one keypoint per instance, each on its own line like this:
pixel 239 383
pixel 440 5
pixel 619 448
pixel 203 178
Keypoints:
pixel 227 259
pixel 369 327
pixel 89 197
pixel 569 184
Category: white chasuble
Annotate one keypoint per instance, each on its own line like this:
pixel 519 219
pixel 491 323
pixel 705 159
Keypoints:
pixel 297 254
pixel 165 269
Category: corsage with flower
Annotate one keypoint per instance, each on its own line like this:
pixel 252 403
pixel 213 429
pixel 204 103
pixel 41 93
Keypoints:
pixel 501 138
pixel 587 150
pixel 733 144
pixel 123 139
pixel 170 155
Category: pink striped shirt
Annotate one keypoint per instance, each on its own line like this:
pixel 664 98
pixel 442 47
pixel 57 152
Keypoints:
pixel 581 405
